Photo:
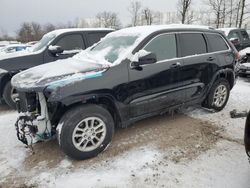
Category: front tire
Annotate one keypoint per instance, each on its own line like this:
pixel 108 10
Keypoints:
pixel 218 95
pixel 85 131
pixel 9 95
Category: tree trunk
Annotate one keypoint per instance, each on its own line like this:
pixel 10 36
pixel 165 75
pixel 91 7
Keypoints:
pixel 243 4
pixel 238 13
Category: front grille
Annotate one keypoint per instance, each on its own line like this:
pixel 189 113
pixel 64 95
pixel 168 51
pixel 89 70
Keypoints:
pixel 28 102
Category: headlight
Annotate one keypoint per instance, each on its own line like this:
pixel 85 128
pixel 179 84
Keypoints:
pixel 3 71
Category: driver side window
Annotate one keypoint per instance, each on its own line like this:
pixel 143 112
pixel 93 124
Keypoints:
pixel 163 46
pixel 71 42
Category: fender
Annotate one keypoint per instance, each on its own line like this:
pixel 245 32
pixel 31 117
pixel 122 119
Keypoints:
pixel 98 97
pixel 223 73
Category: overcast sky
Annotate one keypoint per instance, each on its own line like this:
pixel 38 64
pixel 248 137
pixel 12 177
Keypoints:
pixel 14 12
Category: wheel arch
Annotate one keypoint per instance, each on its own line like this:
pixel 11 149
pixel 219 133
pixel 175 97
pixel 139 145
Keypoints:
pixel 105 100
pixel 4 80
pixel 227 74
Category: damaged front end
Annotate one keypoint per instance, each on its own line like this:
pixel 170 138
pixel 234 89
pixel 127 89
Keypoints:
pixel 33 123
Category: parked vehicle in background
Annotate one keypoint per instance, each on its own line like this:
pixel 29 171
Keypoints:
pixel 13 48
pixel 58 44
pixel 131 74
pixel 244 63
pixel 6 43
pixel 239 37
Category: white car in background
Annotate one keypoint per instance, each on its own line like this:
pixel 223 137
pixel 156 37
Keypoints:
pixel 244 68
pixel 13 48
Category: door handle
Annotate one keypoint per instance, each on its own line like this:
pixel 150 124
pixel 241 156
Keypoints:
pixel 210 58
pixel 175 65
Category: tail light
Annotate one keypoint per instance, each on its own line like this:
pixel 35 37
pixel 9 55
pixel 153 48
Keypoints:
pixel 237 56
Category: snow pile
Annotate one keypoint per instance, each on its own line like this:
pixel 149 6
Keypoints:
pixel 239 99
pixel 224 166
pixel 12 151
pixel 115 173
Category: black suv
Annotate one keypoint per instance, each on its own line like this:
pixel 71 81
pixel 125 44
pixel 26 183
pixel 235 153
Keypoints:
pixel 239 37
pixel 131 74
pixel 58 44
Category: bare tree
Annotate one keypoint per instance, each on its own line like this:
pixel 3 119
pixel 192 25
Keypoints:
pixel 48 27
pixel 108 20
pixel 183 8
pixel 25 32
pixel 217 8
pixel 147 16
pixel 37 31
pixel 231 12
pixel 134 10
pixel 242 12
pixel 237 14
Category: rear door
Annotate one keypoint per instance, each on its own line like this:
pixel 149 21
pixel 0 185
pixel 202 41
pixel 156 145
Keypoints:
pixel 155 86
pixel 94 37
pixel 221 49
pixel 198 65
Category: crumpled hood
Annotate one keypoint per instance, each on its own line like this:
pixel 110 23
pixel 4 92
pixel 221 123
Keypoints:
pixel 58 73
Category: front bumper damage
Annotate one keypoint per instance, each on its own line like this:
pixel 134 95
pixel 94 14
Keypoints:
pixel 33 125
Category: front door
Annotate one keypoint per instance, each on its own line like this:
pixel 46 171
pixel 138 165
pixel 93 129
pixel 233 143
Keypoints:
pixel 155 86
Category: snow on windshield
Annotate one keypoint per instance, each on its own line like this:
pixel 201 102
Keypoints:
pixel 112 49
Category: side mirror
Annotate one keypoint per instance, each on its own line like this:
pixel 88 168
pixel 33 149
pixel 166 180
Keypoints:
pixel 144 58
pixel 55 50
pixel 235 41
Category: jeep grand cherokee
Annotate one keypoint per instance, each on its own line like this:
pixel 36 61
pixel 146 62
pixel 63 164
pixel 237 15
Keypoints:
pixel 131 74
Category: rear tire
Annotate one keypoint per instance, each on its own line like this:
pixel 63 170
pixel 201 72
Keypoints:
pixel 218 95
pixel 85 131
pixel 8 96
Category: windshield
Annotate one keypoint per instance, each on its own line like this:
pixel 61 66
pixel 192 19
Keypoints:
pixel 43 42
pixel 111 48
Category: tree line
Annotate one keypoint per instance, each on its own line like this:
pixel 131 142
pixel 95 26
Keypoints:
pixel 219 13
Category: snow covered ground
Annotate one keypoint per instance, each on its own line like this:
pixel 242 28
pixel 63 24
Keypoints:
pixel 225 164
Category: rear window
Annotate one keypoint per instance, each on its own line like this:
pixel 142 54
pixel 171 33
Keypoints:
pixel 217 43
pixel 192 44
pixel 95 37
pixel 244 35
pixel 234 35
